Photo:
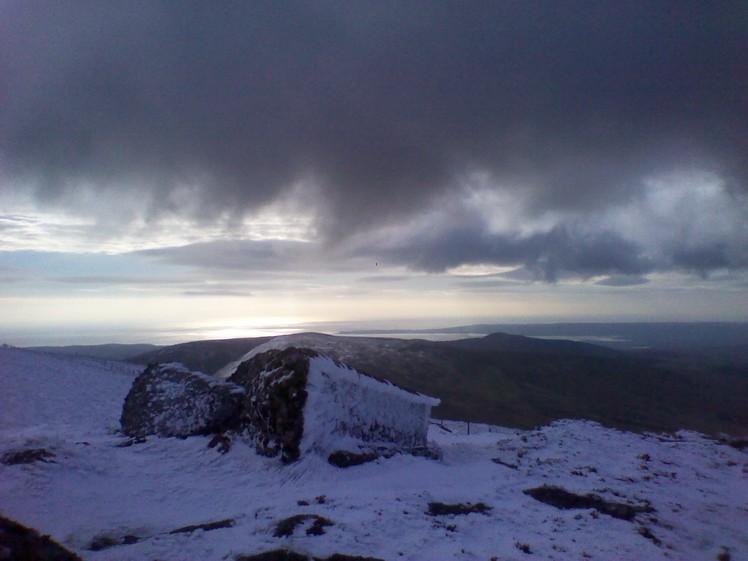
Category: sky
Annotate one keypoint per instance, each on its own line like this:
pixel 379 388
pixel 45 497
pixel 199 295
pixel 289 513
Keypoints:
pixel 176 170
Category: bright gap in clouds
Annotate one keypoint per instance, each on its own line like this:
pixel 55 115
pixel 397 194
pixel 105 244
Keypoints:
pixel 167 319
pixel 70 280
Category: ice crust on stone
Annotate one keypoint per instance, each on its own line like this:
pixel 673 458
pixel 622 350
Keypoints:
pixel 347 410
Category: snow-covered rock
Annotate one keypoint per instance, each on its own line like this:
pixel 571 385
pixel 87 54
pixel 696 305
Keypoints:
pixel 300 401
pixel 169 400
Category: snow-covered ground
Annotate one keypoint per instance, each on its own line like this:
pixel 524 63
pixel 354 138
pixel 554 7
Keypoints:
pixel 95 488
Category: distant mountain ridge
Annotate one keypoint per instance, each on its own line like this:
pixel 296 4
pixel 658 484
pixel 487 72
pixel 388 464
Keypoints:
pixel 524 382
pixel 623 335
pixel 111 351
pixel 519 381
pixel 519 343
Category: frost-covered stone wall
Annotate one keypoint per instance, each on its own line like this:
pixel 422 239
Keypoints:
pixel 299 401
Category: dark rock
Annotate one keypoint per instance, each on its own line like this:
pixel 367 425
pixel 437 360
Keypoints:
pixel 104 542
pixel 130 539
pixel 503 463
pixel 132 441
pixel 442 509
pixel 344 557
pixel 20 543
pixel 275 555
pixel 561 498
pixel 275 383
pixel 647 533
pixel 220 442
pixel 227 523
pixel 344 459
pixel 287 555
pixel 168 400
pixel 286 527
pixel 27 456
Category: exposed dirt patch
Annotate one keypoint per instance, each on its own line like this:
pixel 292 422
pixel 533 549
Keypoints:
pixel 561 498
pixel 227 523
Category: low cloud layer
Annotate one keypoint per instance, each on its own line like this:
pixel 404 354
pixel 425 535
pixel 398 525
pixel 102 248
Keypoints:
pixel 369 113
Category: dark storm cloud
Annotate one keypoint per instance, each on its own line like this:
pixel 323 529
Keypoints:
pixel 383 105
pixel 240 255
pixel 703 259
pixel 623 280
pixel 549 255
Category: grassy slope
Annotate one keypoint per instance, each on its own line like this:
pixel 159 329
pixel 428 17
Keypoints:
pixel 529 389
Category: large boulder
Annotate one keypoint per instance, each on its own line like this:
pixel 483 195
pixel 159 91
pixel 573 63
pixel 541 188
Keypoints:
pixel 298 401
pixel 169 400
pixel 273 409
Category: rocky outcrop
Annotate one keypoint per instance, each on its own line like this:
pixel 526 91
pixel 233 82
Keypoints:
pixel 169 400
pixel 289 401
pixel 273 410
pixel 298 401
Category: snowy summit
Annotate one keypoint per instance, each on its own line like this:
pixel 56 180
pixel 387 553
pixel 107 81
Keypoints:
pixel 572 490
